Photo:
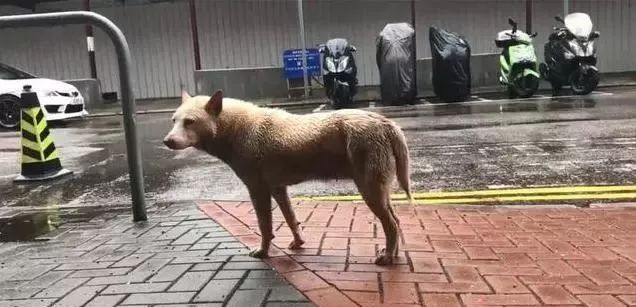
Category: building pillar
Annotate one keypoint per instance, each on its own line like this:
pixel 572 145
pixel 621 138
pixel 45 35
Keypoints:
pixel 90 43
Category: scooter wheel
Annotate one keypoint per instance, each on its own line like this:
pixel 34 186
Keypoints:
pixel 526 86
pixel 543 71
pixel 583 84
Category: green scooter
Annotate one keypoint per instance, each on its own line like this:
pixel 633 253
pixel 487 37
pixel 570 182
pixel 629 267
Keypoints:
pixel 519 67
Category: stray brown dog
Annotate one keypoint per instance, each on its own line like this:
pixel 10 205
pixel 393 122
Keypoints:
pixel 270 149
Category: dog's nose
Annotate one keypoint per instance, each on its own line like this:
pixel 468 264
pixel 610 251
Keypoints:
pixel 169 142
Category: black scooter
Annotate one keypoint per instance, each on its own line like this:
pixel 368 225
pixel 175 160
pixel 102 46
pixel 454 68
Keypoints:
pixel 570 55
pixel 339 72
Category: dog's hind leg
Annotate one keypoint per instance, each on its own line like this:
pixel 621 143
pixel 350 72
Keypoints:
pixel 376 195
pixel 282 198
pixel 262 202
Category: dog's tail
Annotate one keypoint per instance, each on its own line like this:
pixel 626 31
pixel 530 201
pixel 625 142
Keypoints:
pixel 402 160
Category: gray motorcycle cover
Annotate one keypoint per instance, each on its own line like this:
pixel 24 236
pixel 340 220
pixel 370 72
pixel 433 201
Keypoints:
pixel 395 56
pixel 451 65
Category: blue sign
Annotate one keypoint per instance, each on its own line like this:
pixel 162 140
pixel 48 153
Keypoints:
pixel 293 63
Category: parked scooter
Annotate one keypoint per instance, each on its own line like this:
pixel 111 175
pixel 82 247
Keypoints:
pixel 570 55
pixel 339 72
pixel 518 62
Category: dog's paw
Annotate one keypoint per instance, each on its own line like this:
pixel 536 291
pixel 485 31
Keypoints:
pixel 384 258
pixel 296 244
pixel 258 253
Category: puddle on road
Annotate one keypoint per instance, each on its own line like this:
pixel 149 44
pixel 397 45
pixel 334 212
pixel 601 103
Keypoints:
pixel 27 227
pixel 33 226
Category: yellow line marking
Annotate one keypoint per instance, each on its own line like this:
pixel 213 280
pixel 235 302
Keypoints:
pixel 605 196
pixel 499 195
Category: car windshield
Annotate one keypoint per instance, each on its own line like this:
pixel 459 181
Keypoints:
pixel 11 73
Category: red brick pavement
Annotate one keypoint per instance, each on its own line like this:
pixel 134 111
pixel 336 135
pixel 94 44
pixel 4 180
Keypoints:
pixel 453 256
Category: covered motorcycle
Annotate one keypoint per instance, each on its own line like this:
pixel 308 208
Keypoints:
pixel 395 57
pixel 451 65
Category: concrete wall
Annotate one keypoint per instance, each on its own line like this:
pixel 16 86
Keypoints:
pixel 250 83
pixel 245 83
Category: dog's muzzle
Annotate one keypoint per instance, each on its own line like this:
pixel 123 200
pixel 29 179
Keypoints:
pixel 170 143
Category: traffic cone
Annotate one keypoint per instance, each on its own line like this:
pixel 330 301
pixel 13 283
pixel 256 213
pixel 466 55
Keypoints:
pixel 40 158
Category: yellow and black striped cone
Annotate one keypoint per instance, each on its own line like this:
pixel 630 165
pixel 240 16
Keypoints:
pixel 40 158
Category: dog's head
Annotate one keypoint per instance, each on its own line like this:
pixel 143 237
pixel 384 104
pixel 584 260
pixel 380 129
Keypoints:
pixel 195 118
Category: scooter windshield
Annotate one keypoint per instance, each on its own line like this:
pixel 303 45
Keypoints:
pixel 337 46
pixel 579 24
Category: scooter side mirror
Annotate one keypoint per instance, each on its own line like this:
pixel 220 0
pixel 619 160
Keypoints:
pixel 559 19
pixel 513 24
pixel 595 35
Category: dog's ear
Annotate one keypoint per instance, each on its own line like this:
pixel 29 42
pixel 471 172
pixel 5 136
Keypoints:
pixel 215 104
pixel 184 95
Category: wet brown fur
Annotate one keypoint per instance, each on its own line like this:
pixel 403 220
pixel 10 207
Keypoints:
pixel 270 149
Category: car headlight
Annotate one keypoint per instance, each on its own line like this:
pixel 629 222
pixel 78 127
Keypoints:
pixel 52 94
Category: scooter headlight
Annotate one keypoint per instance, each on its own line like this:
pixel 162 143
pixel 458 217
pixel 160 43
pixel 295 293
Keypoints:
pixel 577 47
pixel 342 65
pixel 331 66
pixel 590 49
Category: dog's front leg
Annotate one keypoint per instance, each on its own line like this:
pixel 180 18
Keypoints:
pixel 262 202
pixel 282 198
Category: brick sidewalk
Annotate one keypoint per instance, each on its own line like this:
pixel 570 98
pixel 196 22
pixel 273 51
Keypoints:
pixel 463 256
pixel 179 258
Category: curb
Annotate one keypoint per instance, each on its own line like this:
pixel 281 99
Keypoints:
pixel 108 114
pixel 315 102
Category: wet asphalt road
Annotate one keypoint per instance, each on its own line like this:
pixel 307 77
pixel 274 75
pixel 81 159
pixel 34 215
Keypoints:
pixel 482 144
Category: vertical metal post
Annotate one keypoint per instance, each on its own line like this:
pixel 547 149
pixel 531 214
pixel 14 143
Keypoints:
pixel 414 43
pixel 529 16
pixel 566 7
pixel 124 60
pixel 90 43
pixel 301 23
pixel 195 35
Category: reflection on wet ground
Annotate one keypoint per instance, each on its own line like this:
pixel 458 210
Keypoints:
pixel 476 145
pixel 18 224
pixel 27 226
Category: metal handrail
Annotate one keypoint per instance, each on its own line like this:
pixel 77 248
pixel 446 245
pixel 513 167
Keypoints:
pixel 127 95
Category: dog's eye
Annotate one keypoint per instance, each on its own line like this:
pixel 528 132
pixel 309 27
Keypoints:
pixel 187 122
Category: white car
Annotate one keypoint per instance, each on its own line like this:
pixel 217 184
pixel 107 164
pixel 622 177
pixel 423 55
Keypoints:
pixel 59 100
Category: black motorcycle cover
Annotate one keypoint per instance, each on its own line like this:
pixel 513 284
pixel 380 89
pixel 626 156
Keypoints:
pixel 395 57
pixel 451 65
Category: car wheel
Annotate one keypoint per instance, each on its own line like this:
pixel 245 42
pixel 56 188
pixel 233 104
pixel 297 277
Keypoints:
pixel 9 112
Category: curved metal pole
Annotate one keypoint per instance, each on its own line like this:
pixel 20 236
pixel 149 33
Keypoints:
pixel 301 25
pixel 127 95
